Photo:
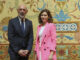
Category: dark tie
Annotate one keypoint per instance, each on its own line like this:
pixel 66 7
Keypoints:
pixel 23 30
pixel 22 27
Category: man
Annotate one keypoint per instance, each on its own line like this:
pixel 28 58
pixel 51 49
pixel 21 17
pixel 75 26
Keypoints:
pixel 20 35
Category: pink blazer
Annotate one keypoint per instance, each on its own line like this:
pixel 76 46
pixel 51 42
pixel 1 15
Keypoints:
pixel 48 41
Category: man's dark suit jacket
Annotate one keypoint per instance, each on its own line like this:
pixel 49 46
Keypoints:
pixel 19 40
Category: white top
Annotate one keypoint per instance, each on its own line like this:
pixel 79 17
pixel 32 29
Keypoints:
pixel 40 34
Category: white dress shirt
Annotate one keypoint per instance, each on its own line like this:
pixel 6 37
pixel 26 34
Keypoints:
pixel 21 22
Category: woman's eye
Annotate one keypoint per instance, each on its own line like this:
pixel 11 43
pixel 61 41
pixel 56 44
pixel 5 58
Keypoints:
pixel 43 15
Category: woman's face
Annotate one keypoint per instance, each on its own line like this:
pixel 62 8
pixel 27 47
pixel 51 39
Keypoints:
pixel 44 17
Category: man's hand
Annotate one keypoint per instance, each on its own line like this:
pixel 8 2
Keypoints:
pixel 22 53
pixel 26 51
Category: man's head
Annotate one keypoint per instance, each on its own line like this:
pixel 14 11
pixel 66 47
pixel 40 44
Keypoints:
pixel 22 10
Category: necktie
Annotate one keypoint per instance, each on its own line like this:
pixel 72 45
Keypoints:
pixel 22 26
pixel 23 30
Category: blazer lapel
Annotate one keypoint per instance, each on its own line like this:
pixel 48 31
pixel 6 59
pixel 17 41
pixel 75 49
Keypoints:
pixel 39 27
pixel 44 31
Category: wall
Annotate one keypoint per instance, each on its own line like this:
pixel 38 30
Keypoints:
pixel 66 15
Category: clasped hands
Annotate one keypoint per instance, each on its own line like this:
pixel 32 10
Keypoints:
pixel 23 53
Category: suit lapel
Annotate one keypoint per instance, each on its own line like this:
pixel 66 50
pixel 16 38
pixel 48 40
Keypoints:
pixel 18 25
pixel 26 26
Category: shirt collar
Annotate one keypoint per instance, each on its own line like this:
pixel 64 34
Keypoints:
pixel 20 19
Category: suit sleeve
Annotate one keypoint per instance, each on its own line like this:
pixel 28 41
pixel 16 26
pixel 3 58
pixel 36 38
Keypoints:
pixel 30 41
pixel 53 37
pixel 12 37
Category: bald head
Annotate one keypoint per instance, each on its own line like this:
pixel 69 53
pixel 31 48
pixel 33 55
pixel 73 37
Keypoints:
pixel 22 6
pixel 22 10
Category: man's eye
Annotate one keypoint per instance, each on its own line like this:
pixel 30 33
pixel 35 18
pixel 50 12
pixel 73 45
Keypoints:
pixel 22 9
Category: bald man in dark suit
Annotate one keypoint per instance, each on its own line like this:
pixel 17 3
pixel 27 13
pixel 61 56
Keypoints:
pixel 20 35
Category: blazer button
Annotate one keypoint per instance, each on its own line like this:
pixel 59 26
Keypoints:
pixel 44 49
pixel 47 47
pixel 44 42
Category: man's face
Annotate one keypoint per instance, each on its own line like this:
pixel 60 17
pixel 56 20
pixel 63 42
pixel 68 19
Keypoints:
pixel 22 11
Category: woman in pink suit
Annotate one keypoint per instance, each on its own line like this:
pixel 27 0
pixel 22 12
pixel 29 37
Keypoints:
pixel 45 47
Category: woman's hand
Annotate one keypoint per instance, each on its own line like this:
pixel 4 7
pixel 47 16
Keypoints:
pixel 51 55
pixel 35 56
